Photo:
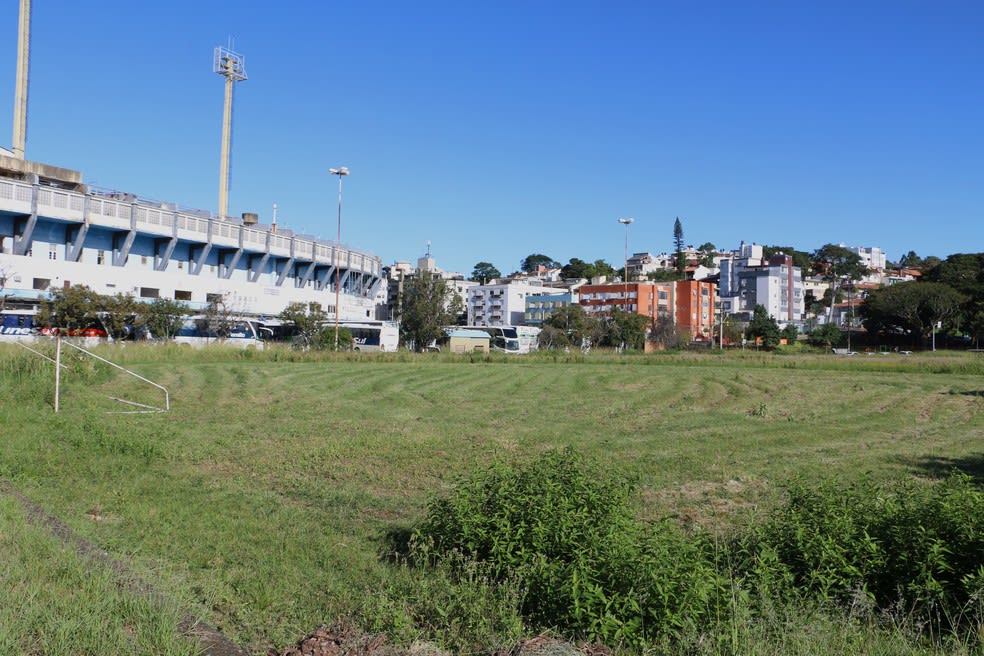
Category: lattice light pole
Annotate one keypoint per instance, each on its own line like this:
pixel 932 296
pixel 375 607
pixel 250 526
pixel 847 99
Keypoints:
pixel 231 66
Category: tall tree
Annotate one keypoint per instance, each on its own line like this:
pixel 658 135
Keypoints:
pixel 429 304
pixel 531 262
pixel 837 265
pixel 681 260
pixel 484 272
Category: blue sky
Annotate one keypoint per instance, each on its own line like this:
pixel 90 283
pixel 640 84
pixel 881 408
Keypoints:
pixel 496 130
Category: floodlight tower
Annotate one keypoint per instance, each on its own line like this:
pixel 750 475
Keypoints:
pixel 231 66
pixel 23 64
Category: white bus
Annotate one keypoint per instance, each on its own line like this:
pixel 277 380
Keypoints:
pixel 510 339
pixel 371 335
pixel 242 333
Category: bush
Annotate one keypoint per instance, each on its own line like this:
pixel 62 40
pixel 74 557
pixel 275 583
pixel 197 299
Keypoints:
pixel 906 545
pixel 567 532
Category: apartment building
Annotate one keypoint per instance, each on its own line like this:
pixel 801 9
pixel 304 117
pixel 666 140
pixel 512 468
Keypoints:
pixel 688 303
pixel 502 304
pixel 748 279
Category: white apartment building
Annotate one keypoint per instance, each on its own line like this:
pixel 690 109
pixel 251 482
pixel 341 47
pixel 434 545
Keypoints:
pixel 501 304
pixel 747 280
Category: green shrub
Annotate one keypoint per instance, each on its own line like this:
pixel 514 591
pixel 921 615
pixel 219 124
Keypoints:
pixel 567 531
pixel 917 547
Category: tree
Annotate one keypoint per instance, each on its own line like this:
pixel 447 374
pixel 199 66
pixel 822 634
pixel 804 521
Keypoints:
pixel 576 269
pixel 530 263
pixel 71 308
pixel 429 305
pixel 662 275
pixel 965 273
pixel 681 260
pixel 826 336
pixel 311 327
pixel 163 317
pixel 118 314
pixel 763 326
pixel 5 276
pixel 837 265
pixel 218 317
pixel 574 323
pixel 911 309
pixel 801 259
pixel 484 272
pixel 664 334
pixel 910 260
pixel 627 329
pixel 790 334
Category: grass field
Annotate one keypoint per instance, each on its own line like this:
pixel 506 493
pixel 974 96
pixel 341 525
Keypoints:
pixel 261 499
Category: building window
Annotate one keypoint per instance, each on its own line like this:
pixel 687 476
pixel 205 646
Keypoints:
pixel 181 295
pixel 100 257
pixel 52 252
pixel 42 283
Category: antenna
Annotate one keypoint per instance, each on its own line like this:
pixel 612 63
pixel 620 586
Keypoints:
pixel 231 66
pixel 428 248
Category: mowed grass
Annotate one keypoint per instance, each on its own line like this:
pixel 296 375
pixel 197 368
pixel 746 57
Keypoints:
pixel 260 501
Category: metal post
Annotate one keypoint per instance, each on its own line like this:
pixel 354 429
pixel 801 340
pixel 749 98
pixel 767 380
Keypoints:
pixel 57 369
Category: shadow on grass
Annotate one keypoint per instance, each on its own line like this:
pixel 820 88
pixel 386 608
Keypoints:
pixel 942 466
pixel 968 393
pixel 396 544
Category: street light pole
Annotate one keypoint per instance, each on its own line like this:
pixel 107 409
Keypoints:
pixel 625 273
pixel 341 172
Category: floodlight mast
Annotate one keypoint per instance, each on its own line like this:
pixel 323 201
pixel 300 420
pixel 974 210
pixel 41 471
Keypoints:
pixel 231 66
pixel 625 273
pixel 23 65
pixel 341 172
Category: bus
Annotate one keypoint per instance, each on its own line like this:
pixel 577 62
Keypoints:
pixel 367 334
pixel 371 335
pixel 19 325
pixel 510 339
pixel 242 333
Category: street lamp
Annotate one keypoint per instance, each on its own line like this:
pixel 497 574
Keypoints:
pixel 341 172
pixel 625 273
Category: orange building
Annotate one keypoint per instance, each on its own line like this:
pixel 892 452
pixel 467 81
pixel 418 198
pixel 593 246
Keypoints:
pixel 689 303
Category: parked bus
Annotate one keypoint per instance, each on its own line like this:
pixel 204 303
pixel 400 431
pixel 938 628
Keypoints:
pixel 23 325
pixel 510 339
pixel 18 325
pixel 367 335
pixel 371 335
pixel 242 333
